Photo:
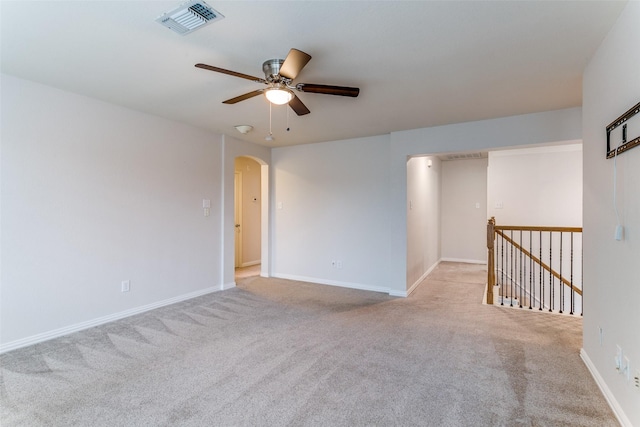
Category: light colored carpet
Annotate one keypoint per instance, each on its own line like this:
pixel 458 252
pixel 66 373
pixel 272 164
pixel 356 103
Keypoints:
pixel 246 272
pixel 280 353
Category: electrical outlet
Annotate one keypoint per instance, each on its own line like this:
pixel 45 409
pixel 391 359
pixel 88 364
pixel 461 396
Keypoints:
pixel 339 264
pixel 125 286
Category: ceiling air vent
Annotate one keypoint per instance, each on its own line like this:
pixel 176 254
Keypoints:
pixel 464 156
pixel 189 17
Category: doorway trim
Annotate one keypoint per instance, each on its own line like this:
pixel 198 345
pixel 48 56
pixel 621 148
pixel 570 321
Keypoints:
pixel 237 218
pixel 232 148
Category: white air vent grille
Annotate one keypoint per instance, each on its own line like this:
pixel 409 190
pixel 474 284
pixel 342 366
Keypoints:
pixel 463 156
pixel 189 17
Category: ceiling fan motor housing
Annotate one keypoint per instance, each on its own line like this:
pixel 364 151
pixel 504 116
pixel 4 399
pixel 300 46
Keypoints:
pixel 271 69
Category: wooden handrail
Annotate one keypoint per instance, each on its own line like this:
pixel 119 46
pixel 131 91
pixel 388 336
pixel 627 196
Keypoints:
pixel 536 259
pixel 537 228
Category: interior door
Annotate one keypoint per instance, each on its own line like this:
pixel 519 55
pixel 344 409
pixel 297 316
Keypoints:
pixel 238 218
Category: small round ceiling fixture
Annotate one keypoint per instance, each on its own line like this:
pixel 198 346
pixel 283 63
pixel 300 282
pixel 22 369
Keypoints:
pixel 244 129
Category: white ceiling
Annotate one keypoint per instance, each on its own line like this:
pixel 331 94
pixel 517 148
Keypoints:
pixel 417 63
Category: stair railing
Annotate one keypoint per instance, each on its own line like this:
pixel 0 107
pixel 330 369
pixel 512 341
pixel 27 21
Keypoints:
pixel 535 267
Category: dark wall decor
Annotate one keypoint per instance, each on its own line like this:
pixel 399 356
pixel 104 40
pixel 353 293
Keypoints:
pixel 625 144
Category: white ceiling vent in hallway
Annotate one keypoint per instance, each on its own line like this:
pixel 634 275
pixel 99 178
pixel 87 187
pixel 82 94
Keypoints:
pixel 463 156
pixel 189 16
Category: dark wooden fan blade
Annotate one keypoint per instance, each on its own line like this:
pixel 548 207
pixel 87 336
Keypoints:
pixel 329 90
pixel 293 63
pixel 231 73
pixel 297 106
pixel 243 97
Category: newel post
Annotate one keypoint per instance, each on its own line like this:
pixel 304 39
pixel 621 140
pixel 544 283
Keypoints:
pixel 491 275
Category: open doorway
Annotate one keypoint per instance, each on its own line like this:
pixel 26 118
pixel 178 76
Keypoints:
pixel 446 212
pixel 247 218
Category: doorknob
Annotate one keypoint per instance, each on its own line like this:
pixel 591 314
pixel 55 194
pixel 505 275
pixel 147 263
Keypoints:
pixel 237 225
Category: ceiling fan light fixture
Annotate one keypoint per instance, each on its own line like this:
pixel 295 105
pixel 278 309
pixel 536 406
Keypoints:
pixel 278 77
pixel 278 96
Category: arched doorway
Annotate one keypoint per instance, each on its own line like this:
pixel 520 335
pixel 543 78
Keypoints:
pixel 232 149
pixel 247 217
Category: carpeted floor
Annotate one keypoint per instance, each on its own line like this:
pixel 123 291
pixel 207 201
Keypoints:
pixel 280 353
pixel 246 272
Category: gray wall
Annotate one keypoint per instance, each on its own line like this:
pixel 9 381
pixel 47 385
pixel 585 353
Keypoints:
pixel 330 204
pixel 528 129
pixel 349 199
pixel 94 194
pixel 464 236
pixel 424 185
pixel 536 186
pixel 611 276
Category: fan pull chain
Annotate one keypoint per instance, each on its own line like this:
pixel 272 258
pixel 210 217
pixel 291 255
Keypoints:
pixel 270 133
pixel 288 128
pixel 270 136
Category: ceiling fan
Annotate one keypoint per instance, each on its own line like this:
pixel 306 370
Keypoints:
pixel 279 76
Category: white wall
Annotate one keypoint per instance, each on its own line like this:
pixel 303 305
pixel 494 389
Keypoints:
pixel 612 285
pixel 536 186
pixel 464 232
pixel 119 194
pixel 423 217
pixel 330 204
pixel 541 186
pixel 528 129
pixel 94 194
pixel 347 200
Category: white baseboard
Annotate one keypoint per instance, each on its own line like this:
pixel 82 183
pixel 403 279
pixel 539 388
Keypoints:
pixel 349 285
pixel 397 293
pixel 424 276
pixel 466 261
pixel 250 263
pixel 226 286
pixel 611 400
pixel 35 339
